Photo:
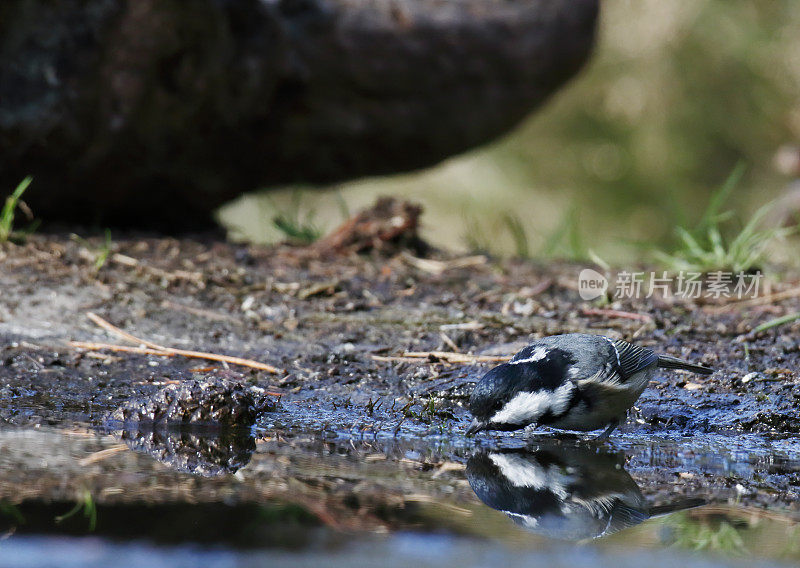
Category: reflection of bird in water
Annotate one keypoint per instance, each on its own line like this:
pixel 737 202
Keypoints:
pixel 569 493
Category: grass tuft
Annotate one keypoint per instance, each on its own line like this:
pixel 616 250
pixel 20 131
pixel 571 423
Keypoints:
pixel 11 513
pixel 566 242
pixel 712 245
pixel 86 505
pixel 297 228
pixel 101 253
pixel 519 236
pixel 475 235
pixel 701 535
pixel 9 210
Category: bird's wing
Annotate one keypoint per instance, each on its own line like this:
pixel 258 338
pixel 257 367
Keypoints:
pixel 632 358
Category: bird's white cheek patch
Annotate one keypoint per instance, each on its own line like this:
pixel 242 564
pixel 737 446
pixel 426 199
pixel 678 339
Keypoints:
pixel 527 407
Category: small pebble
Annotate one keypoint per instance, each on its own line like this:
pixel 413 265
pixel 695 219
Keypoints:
pixel 749 377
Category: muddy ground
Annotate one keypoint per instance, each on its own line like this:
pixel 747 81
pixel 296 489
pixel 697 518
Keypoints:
pixel 338 329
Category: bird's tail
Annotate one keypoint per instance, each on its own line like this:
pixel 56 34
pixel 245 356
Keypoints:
pixel 667 362
pixel 675 506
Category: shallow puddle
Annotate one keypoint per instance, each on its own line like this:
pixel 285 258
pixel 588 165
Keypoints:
pixel 294 498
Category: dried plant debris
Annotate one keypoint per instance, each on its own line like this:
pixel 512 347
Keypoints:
pixel 205 454
pixel 210 401
pixel 388 226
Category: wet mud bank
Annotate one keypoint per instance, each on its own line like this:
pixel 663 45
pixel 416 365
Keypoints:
pixel 360 425
pixel 339 331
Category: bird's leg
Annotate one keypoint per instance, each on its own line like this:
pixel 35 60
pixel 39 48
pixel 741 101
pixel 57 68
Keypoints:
pixel 607 433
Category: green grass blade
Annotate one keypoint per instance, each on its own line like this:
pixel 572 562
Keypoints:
pixel 10 206
pixel 788 318
pixel 713 212
pixel 518 234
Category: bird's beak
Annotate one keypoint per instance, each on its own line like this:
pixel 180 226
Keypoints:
pixel 476 427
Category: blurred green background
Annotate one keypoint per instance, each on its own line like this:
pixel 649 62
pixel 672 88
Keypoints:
pixel 676 94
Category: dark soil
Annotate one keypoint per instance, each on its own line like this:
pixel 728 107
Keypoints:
pixel 338 327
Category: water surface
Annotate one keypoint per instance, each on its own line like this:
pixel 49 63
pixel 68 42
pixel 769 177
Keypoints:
pixel 295 498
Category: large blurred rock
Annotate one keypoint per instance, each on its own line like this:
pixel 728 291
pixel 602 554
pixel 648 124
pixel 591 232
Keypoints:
pixel 154 112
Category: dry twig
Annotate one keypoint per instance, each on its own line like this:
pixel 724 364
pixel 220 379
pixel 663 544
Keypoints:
pixel 121 348
pixel 102 454
pixel 450 343
pixel 156 349
pixel 437 267
pixel 443 356
pixel 759 301
pixel 605 312
pixel 195 277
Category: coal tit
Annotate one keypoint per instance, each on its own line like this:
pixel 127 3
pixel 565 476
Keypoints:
pixel 574 381
pixel 569 493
